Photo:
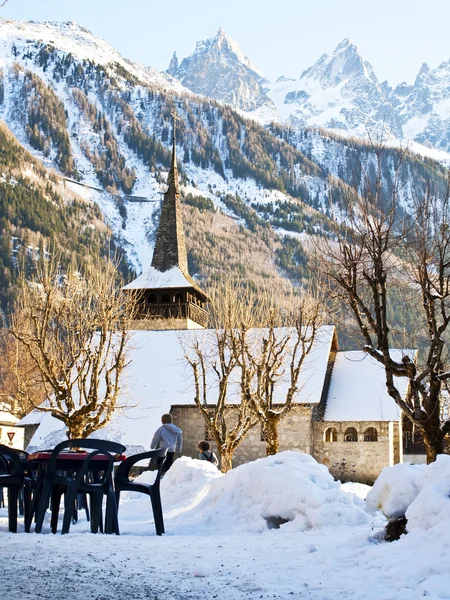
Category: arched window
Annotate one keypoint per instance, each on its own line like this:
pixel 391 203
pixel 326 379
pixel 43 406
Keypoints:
pixel 351 435
pixel 371 435
pixel 152 299
pixel 179 297
pixel 330 435
pixel 165 299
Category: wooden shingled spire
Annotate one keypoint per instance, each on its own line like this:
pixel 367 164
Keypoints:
pixel 170 246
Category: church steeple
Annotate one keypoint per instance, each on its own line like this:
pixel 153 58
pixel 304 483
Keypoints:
pixel 167 297
pixel 170 247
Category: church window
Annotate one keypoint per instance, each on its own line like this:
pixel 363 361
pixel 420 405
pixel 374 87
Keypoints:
pixel 330 435
pixel 165 298
pixel 179 297
pixel 351 435
pixel 152 299
pixel 371 435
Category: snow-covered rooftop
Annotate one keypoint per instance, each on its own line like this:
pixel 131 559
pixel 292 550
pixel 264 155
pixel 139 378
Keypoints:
pixel 7 418
pixel 152 278
pixel 358 389
pixel 158 377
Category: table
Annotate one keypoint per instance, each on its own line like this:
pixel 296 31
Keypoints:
pixel 71 462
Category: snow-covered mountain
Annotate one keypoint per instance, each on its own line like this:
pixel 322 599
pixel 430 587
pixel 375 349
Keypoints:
pixel 338 92
pixel 70 38
pixel 253 193
pixel 218 69
pixel 424 107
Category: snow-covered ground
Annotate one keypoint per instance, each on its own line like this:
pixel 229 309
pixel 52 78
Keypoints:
pixel 219 543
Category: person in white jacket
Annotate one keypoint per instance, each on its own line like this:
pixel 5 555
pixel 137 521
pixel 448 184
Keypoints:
pixel 169 437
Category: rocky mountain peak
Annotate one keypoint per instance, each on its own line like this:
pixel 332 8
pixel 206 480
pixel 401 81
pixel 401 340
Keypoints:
pixel 173 66
pixel 422 74
pixel 345 63
pixel 219 69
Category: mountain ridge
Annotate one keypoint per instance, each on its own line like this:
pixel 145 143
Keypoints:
pixel 340 92
pixel 254 194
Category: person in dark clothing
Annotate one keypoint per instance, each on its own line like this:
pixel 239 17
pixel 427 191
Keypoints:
pixel 169 437
pixel 207 454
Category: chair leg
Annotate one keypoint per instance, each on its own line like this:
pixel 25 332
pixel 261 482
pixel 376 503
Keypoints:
pixel 41 507
pixel 111 520
pixel 13 496
pixel 69 504
pixel 21 502
pixel 56 501
pixel 96 512
pixel 160 511
pixel 27 508
pixel 157 514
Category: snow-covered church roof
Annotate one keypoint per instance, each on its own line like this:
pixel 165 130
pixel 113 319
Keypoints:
pixel 158 377
pixel 152 278
pixel 357 389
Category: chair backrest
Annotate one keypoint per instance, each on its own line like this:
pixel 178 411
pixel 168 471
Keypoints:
pixel 123 470
pixel 11 460
pixel 100 446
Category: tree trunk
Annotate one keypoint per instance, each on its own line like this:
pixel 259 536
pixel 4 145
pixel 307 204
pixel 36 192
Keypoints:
pixel 75 430
pixel 226 461
pixel 271 436
pixel 434 443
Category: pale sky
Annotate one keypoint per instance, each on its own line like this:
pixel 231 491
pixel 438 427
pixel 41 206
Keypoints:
pixel 282 37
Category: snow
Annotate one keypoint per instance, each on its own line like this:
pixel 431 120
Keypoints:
pixel 7 418
pixel 421 492
pixel 220 558
pixel 356 370
pixel 153 278
pixel 158 377
pixel 241 501
pixel 71 38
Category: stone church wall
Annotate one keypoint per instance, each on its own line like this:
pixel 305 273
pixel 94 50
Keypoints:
pixel 348 461
pixel 294 433
pixel 356 460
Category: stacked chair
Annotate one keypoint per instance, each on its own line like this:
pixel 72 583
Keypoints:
pixel 57 482
pixel 16 478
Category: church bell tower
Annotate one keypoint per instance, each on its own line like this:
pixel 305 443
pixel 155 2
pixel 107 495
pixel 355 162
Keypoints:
pixel 167 297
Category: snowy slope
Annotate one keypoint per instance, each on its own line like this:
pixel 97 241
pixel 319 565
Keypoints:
pixel 69 37
pixel 339 92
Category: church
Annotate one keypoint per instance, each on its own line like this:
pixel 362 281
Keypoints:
pixel 342 415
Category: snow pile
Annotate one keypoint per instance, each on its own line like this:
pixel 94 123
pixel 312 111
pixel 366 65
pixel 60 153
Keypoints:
pixel 419 492
pixel 254 497
pixel 431 507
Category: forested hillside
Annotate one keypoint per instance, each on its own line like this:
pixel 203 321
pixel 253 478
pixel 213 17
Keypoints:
pixel 38 215
pixel 254 195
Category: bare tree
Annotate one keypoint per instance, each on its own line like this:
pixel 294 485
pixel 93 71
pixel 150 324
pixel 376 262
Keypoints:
pixel 247 355
pixel 214 368
pixel 73 327
pixel 272 358
pixel 375 259
pixel 21 385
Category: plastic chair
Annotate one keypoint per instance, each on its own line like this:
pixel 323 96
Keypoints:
pixel 14 476
pixel 122 483
pixel 56 483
